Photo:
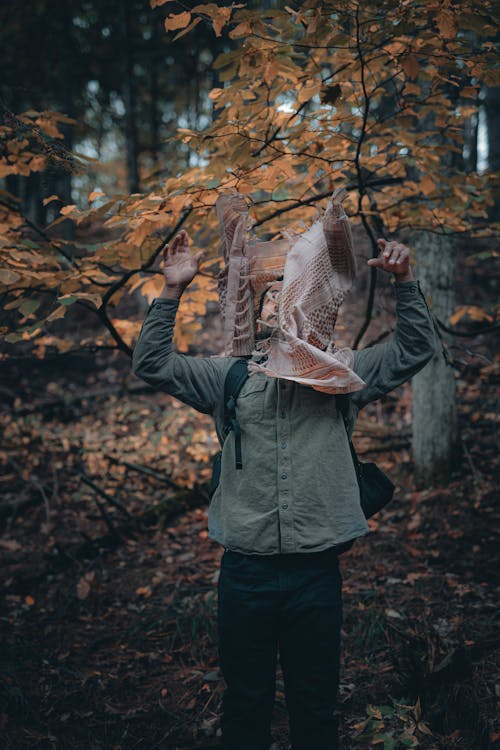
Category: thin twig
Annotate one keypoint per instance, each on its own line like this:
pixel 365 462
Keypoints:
pixel 111 500
pixel 144 470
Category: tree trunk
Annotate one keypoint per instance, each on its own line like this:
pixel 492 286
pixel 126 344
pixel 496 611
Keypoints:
pixel 132 147
pixel 436 440
pixel 492 111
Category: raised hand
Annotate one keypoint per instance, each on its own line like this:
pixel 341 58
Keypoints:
pixel 179 265
pixel 394 258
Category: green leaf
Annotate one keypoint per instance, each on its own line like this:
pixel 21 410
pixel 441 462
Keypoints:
pixel 9 277
pixel 29 306
pixel 408 740
pixel 68 299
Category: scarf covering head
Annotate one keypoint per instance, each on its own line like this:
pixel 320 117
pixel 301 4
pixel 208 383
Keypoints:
pixel 309 275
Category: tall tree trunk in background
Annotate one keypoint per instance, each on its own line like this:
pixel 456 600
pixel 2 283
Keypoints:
pixel 132 148
pixel 492 111
pixel 63 178
pixel 470 132
pixel 436 441
pixel 154 95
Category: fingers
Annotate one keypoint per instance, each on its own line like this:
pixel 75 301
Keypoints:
pixel 394 256
pixel 180 244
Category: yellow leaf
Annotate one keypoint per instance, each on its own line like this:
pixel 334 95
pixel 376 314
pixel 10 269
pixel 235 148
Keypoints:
pixel 177 21
pixel 128 329
pixel 477 314
pixel 152 288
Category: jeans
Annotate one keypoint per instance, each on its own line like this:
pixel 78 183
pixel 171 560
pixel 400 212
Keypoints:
pixel 291 605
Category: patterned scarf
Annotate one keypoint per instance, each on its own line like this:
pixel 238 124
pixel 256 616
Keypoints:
pixel 307 277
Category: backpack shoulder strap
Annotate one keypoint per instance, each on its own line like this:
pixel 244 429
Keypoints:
pixel 236 377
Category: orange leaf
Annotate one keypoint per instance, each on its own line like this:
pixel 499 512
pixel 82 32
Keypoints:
pixel 95 194
pixel 242 29
pixel 426 185
pixel 446 24
pixel 219 16
pixel 177 21
pixel 187 29
pixel 410 65
pixel 68 210
pixel 51 198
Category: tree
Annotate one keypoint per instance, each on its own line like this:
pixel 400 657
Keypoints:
pixel 329 94
pixel 436 441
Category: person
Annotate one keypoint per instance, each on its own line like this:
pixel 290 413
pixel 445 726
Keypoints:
pixel 283 518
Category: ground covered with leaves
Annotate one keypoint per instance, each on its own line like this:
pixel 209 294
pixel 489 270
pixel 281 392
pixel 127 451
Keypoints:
pixel 108 622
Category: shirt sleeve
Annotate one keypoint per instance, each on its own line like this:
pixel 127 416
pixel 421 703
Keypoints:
pixel 196 381
pixel 387 365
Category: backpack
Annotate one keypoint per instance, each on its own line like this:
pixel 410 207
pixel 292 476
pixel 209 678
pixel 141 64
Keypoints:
pixel 236 377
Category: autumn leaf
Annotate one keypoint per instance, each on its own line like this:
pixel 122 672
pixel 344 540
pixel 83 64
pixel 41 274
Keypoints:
pixel 51 198
pixel 446 23
pixel 219 15
pixel 96 194
pixel 410 65
pixel 177 21
pixel 8 277
pixel 242 29
pixel 189 28
pixel 330 94
pixel 68 210
pixel 426 185
pixel 474 313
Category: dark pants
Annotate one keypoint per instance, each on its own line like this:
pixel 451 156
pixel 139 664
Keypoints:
pixel 290 603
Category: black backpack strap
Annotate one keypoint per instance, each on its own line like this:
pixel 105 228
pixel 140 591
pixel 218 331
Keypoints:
pixel 236 376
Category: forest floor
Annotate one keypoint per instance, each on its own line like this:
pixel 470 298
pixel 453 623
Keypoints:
pixel 108 621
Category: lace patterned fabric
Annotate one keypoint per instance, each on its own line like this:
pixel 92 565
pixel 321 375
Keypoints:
pixel 317 269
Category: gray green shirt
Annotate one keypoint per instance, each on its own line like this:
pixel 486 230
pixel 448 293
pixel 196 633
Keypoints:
pixel 297 491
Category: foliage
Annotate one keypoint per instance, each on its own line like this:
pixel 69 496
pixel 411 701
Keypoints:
pixel 391 727
pixel 310 99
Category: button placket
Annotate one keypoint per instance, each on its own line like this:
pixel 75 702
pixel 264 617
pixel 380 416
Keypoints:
pixel 285 516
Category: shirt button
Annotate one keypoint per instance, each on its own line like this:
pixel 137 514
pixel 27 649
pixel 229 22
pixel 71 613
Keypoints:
pixel 284 476
pixel 282 414
pixel 285 506
pixel 284 444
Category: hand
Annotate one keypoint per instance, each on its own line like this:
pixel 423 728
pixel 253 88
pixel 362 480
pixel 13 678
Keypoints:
pixel 394 258
pixel 179 266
